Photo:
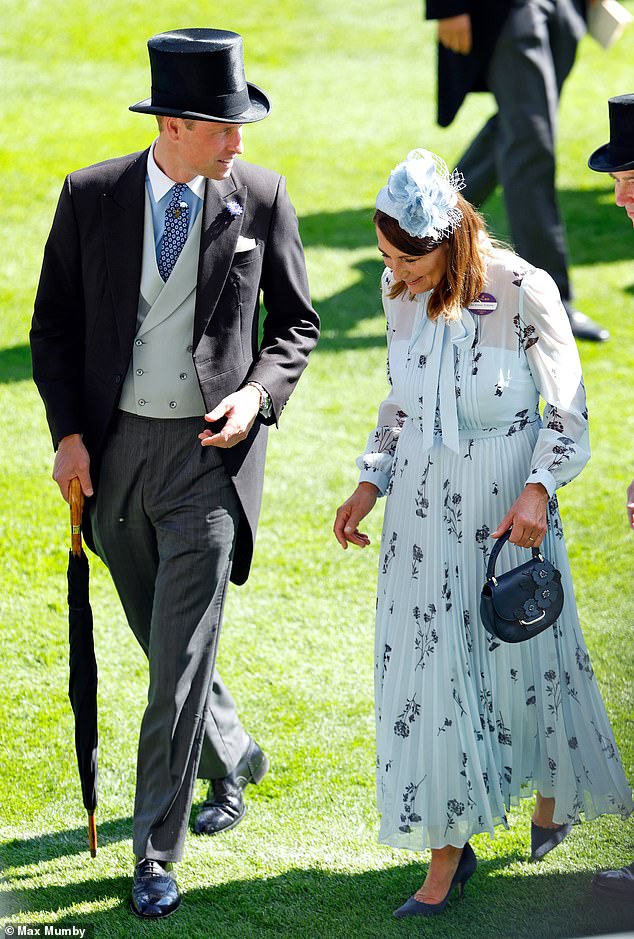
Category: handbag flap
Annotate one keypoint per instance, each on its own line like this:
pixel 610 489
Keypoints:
pixel 527 591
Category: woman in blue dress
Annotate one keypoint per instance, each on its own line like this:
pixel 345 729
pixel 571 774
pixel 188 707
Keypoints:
pixel 466 725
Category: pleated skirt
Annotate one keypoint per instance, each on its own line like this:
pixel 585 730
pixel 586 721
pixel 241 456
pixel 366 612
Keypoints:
pixel 467 725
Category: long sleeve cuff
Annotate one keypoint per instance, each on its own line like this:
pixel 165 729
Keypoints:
pixel 546 478
pixel 375 476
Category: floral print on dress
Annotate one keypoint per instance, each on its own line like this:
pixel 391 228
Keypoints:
pixel 553 691
pixel 422 502
pixel 522 420
pixel 493 715
pixel 390 553
pixel 554 519
pixel 454 810
pixel 466 619
pixel 417 559
pixel 426 634
pixel 525 333
pixel 409 816
pixel 563 450
pixel 407 716
pixel 446 589
pixel 482 537
pixel 452 514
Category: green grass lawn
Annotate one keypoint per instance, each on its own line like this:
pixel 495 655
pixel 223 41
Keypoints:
pixel 353 90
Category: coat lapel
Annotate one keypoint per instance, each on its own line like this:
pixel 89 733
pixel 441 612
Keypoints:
pixel 223 213
pixel 122 211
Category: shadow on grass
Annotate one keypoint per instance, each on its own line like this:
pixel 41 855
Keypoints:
pixel 341 313
pixel 325 905
pixel 595 231
pixel 48 847
pixel 15 364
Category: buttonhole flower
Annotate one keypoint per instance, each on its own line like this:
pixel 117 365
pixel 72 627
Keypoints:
pixel 234 208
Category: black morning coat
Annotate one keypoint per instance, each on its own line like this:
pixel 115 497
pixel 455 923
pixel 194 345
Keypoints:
pixel 87 300
pixel 459 74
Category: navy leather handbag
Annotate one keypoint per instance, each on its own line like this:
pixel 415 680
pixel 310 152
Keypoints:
pixel 523 602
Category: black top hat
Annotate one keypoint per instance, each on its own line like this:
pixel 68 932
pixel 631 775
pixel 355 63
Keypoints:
pixel 617 155
pixel 199 74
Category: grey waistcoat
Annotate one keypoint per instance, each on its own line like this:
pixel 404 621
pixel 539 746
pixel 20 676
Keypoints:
pixel 161 379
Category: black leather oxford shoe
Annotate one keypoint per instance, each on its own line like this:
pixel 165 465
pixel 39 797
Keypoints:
pixel 224 807
pixel 154 890
pixel 585 328
pixel 617 884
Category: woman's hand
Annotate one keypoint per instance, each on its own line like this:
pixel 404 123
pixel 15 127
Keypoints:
pixel 360 504
pixel 527 517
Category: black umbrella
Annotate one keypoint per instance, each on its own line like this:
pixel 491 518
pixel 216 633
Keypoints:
pixel 82 684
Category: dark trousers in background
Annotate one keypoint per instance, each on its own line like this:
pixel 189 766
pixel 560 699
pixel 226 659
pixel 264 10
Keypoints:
pixel 164 523
pixel 516 147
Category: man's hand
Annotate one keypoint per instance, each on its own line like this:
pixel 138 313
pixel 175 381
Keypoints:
pixel 630 504
pixel 72 459
pixel 455 33
pixel 240 410
pixel 527 517
pixel 360 504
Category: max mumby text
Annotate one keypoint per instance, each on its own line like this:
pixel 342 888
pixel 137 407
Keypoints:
pixel 24 929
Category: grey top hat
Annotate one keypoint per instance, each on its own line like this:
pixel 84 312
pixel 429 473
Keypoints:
pixel 199 74
pixel 617 155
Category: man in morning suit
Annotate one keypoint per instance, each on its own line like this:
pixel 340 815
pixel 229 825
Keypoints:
pixel 158 393
pixel 522 51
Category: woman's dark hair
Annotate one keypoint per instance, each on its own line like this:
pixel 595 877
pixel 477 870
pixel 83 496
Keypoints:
pixel 466 260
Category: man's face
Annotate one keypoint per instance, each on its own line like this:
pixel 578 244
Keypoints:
pixel 207 148
pixel 624 191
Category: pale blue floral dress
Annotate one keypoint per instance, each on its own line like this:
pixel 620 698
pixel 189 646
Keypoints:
pixel 467 725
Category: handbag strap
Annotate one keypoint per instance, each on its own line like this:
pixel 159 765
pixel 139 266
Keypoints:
pixel 499 544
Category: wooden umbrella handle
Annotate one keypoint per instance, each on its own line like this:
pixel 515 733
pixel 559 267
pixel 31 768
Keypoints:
pixel 76 501
pixel 92 834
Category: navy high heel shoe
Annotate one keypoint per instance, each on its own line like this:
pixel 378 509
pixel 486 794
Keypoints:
pixel 466 868
pixel 544 840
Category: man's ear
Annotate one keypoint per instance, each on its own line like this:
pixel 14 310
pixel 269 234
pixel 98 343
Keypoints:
pixel 173 127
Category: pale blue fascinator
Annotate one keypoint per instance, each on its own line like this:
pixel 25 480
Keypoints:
pixel 421 195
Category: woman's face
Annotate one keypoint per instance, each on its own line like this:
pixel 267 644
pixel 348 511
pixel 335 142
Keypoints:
pixel 419 272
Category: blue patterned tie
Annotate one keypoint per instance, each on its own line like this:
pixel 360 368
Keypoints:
pixel 175 235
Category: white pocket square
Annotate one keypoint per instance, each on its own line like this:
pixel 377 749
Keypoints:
pixel 245 244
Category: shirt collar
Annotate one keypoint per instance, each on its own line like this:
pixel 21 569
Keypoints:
pixel 161 184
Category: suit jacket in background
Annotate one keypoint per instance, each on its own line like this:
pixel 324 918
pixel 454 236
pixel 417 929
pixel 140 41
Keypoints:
pixel 460 74
pixel 86 307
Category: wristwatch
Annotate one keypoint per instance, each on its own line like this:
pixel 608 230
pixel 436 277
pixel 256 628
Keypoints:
pixel 265 399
